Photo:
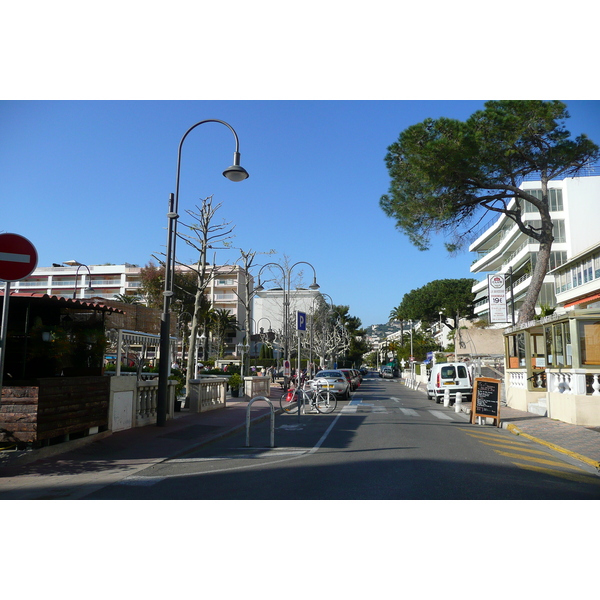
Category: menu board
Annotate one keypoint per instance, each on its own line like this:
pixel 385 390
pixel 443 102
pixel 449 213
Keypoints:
pixel 486 399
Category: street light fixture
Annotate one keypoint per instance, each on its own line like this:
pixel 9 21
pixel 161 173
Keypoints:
pixel 234 173
pixel 287 275
pixel 74 263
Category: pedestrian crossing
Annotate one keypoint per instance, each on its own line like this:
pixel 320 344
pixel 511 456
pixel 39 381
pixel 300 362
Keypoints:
pixel 358 406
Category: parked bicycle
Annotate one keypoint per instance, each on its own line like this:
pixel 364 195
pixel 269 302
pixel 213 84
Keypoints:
pixel 317 398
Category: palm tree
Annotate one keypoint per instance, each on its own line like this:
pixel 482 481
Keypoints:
pixel 128 299
pixel 396 314
pixel 222 322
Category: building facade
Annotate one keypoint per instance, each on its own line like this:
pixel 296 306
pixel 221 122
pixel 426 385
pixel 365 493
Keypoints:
pixel 272 308
pixel 82 281
pixel 503 248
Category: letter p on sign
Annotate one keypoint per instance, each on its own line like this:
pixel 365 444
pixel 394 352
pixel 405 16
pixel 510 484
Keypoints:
pixel 301 321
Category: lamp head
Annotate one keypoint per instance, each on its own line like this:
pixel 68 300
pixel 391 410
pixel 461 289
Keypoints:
pixel 236 172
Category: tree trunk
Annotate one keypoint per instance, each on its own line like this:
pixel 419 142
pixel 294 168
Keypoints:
pixel 527 310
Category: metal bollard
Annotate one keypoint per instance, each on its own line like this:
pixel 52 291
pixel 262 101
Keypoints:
pixel 458 402
pixel 272 419
pixel 446 397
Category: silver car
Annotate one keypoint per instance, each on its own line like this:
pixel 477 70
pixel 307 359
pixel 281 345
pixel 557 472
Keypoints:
pixel 332 380
pixel 387 373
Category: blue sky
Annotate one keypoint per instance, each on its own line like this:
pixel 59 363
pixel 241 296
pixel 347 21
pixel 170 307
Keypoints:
pixel 90 181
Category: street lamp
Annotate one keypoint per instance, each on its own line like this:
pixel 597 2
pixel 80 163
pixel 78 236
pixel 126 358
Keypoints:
pixel 202 340
pixel 287 275
pixel 233 173
pixel 242 349
pixel 73 263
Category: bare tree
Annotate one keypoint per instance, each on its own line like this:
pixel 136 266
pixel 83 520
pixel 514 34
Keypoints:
pixel 203 236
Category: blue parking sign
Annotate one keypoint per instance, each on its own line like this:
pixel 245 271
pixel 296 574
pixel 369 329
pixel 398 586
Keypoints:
pixel 301 321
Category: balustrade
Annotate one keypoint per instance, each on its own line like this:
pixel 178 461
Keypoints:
pixel 207 393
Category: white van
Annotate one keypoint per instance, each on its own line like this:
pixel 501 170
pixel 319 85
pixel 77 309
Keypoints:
pixel 454 377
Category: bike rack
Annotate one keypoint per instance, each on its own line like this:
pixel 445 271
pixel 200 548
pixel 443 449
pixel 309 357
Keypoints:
pixel 272 420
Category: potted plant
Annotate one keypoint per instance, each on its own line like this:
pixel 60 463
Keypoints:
pixel 235 383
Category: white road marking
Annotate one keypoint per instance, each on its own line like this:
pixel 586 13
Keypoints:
pixel 409 412
pixel 440 415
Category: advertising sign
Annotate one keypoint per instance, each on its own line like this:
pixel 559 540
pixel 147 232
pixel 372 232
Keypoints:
pixel 486 399
pixel 497 298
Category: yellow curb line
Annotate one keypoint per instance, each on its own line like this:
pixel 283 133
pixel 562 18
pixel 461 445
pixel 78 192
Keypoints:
pixel 594 463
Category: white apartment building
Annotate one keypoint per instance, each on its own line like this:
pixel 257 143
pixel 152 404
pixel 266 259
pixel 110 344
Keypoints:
pixel 81 281
pixel 502 248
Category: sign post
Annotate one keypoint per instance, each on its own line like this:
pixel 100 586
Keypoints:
pixel 18 259
pixel 301 321
pixel 486 399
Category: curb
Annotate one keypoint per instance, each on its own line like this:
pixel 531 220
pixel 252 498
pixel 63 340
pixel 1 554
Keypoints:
pixel 588 461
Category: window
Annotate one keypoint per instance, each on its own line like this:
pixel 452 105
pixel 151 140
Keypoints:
pixel 549 353
pixel 589 342
pixel 516 351
pixel 559 230
pixel 555 200
pixel 557 259
pixel 536 342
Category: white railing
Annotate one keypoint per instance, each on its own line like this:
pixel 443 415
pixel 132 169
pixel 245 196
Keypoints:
pixel 517 379
pixel 257 386
pixel 207 393
pixel 146 401
pixel 575 381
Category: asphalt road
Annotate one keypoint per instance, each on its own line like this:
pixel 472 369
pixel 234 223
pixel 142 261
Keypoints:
pixel 388 442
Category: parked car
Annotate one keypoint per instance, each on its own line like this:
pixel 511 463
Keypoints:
pixel 352 378
pixel 386 372
pixel 337 382
pixel 454 377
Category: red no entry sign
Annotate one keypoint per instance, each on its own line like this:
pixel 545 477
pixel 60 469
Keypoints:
pixel 18 257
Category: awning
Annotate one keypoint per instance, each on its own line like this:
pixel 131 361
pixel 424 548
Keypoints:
pixel 582 300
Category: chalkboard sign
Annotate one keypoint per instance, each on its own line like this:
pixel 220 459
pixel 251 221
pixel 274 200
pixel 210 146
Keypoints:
pixel 486 399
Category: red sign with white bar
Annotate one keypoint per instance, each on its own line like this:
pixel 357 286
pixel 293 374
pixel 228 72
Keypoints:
pixel 18 257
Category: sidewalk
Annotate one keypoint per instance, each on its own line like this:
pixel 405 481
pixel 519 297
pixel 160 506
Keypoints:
pixel 581 443
pixel 74 469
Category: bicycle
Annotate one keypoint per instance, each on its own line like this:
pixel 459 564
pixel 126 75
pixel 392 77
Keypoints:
pixel 318 399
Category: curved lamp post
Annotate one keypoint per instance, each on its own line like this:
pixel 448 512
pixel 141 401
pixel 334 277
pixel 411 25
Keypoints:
pixel 233 173
pixel 73 263
pixel 287 275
